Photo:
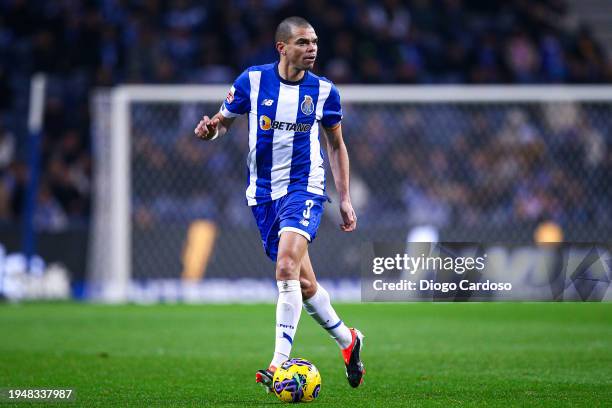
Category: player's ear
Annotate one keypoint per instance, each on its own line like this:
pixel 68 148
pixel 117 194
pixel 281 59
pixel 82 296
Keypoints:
pixel 280 47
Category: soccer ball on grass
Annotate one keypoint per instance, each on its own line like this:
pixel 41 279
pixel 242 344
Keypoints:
pixel 296 380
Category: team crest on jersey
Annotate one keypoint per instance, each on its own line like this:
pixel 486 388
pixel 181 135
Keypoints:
pixel 307 105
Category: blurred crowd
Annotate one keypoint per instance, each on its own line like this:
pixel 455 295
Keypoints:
pixel 481 164
pixel 87 44
pixel 484 165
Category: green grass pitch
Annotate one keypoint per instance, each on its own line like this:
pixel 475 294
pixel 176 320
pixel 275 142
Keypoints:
pixel 419 354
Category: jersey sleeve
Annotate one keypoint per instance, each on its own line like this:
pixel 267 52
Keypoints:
pixel 238 100
pixel 332 110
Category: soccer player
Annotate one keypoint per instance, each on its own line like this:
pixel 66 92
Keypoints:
pixel 286 181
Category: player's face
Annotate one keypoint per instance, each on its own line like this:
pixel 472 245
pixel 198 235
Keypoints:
pixel 302 48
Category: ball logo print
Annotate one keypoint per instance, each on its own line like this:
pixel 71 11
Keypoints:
pixel 293 386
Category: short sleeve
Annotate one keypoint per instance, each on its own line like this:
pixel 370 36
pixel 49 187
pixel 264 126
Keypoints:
pixel 238 100
pixel 332 110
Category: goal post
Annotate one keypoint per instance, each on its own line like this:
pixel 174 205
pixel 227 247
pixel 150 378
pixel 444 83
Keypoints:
pixel 152 205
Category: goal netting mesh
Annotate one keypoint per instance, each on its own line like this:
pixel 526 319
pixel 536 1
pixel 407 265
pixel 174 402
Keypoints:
pixel 484 165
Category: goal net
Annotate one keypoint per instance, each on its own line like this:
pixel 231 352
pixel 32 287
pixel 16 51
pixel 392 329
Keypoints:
pixel 478 164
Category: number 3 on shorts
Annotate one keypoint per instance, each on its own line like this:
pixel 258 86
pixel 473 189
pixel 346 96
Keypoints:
pixel 308 204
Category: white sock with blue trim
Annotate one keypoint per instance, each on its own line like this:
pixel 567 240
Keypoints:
pixel 320 308
pixel 288 310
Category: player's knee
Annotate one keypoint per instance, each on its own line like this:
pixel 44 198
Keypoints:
pixel 309 288
pixel 286 268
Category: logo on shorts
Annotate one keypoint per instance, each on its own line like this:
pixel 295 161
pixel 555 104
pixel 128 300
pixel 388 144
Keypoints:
pixel 265 123
pixel 307 105
pixel 304 222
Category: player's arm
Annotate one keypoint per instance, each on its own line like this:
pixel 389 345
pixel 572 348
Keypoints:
pixel 212 128
pixel 237 102
pixel 339 162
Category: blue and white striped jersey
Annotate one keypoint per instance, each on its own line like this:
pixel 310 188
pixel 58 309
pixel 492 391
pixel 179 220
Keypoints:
pixel 284 146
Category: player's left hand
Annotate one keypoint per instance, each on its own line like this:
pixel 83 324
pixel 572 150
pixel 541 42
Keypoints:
pixel 349 219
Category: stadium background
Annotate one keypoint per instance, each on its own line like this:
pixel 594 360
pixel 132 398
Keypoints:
pixel 478 172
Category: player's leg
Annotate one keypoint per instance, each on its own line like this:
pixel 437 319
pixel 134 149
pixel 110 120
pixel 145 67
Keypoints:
pixel 266 217
pixel 291 249
pixel 287 250
pixel 317 304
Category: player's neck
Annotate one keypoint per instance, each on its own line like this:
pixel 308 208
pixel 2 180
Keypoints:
pixel 289 73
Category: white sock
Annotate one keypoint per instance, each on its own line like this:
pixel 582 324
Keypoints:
pixel 320 308
pixel 288 310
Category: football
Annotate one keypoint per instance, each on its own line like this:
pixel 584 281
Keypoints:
pixel 297 380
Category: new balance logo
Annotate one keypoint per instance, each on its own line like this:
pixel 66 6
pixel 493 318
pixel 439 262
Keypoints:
pixel 267 102
pixel 304 222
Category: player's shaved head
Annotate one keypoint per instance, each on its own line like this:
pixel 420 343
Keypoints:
pixel 284 31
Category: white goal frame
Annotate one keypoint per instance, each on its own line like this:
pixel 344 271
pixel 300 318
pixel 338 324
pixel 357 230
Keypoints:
pixel 111 278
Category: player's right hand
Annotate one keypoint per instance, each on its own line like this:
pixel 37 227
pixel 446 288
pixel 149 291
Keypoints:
pixel 206 128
